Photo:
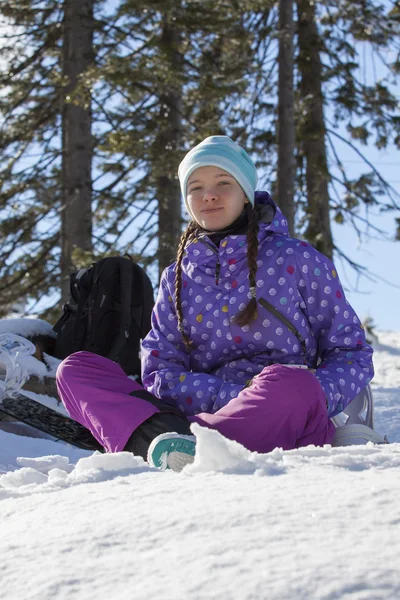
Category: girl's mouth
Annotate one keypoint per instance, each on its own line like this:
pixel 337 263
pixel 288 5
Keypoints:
pixel 211 210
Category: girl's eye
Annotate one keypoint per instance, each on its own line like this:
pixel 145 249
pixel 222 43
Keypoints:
pixel 199 187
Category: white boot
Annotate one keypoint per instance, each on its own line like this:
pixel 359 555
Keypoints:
pixel 13 349
pixel 356 434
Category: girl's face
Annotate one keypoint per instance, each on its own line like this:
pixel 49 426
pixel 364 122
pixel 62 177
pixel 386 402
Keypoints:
pixel 214 197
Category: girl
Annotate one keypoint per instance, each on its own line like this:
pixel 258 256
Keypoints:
pixel 251 332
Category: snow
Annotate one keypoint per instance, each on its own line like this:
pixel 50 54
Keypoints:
pixel 313 523
pixel 48 401
pixel 27 327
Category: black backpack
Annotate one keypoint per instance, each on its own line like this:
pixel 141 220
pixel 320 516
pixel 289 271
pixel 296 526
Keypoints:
pixel 108 312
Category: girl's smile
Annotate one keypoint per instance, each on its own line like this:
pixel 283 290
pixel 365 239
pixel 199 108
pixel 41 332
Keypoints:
pixel 212 210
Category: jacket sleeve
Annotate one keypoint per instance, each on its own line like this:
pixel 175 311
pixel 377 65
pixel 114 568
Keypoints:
pixel 166 371
pixel 345 366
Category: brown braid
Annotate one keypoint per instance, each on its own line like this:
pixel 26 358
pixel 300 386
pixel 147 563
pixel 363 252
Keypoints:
pixel 190 232
pixel 249 312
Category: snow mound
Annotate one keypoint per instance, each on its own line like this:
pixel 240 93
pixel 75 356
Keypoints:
pixel 214 454
pixel 15 446
pixel 27 327
pixel 57 471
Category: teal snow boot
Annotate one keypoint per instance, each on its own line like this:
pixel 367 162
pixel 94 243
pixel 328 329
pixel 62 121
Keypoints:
pixel 171 451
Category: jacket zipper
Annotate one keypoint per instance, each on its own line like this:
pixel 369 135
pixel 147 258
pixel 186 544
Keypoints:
pixel 217 272
pixel 265 304
pixel 218 265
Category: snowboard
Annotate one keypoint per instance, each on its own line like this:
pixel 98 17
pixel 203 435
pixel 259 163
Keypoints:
pixel 49 421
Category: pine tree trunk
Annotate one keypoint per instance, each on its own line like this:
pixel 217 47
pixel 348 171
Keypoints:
pixel 166 145
pixel 286 128
pixel 312 130
pixel 78 56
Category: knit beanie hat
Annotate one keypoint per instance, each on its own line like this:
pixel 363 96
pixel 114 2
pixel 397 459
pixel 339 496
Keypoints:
pixel 220 151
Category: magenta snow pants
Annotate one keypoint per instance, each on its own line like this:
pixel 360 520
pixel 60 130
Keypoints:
pixel 283 408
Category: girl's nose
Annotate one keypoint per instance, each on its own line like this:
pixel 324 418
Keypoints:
pixel 209 195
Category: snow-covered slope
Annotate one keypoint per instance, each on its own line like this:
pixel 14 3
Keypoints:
pixel 386 385
pixel 314 523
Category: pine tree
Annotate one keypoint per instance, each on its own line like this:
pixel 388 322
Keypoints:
pixel 286 125
pixel 312 130
pixel 30 149
pixel 168 140
pixel 331 41
pixel 77 143
pixel 365 110
pixel 48 78
pixel 358 34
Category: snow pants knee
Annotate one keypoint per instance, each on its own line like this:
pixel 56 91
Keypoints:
pixel 284 408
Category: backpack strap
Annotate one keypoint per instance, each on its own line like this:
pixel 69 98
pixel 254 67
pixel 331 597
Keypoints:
pixel 126 281
pixel 84 292
pixel 139 316
pixel 74 304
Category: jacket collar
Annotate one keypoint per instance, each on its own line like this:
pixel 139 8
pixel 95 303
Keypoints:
pixel 271 220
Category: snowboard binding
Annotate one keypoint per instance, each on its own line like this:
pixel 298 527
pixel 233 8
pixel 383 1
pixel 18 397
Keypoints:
pixel 13 374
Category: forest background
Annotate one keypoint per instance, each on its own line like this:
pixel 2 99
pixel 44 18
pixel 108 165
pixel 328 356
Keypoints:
pixel 100 100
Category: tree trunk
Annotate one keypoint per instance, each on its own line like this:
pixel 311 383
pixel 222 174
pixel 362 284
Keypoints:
pixel 76 215
pixel 166 145
pixel 286 128
pixel 312 130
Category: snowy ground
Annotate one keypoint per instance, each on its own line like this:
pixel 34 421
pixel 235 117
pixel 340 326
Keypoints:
pixel 315 523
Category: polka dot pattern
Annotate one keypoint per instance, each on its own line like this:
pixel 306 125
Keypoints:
pixel 299 282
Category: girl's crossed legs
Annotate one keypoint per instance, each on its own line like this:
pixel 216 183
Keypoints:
pixel 284 407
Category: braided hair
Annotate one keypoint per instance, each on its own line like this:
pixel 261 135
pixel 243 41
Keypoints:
pixel 188 235
pixel 249 312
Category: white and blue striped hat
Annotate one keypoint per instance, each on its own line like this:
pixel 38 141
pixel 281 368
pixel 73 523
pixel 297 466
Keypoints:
pixel 220 151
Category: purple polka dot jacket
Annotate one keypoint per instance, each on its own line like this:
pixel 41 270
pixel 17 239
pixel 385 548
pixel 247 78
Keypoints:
pixel 303 318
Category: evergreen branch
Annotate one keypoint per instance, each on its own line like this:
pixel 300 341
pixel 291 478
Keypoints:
pixel 143 228
pixel 7 115
pixel 130 221
pixel 45 278
pixel 362 270
pixel 53 36
pixel 32 265
pixel 109 187
pixel 385 183
pixel 346 183
pixel 355 216
pixel 48 112
pixel 356 266
pixel 17 240
pixel 150 239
